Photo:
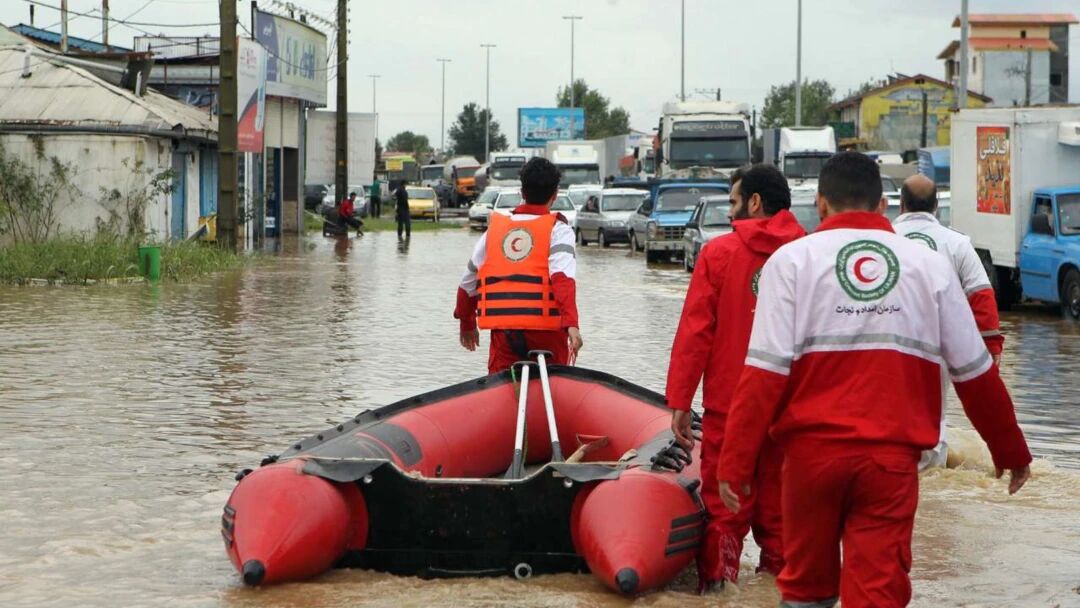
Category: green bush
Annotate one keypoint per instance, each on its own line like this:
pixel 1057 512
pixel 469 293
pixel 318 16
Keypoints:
pixel 72 259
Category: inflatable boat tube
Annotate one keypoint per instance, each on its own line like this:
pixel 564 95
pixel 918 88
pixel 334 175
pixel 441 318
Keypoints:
pixel 419 487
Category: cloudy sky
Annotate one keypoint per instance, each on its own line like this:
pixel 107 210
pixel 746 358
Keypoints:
pixel 629 49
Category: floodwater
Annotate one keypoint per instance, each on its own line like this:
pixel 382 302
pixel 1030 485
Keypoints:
pixel 126 411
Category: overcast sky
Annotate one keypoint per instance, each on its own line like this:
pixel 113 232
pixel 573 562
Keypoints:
pixel 628 49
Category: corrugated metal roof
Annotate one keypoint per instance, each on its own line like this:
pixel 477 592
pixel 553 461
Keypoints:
pixel 74 42
pixel 60 94
pixel 1017 19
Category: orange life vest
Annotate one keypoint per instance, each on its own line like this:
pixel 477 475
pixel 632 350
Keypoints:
pixel 515 283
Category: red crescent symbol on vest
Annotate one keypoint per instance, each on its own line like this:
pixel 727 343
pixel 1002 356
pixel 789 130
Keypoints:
pixel 513 245
pixel 858 270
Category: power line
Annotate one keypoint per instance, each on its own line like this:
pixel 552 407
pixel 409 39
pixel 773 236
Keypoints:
pixel 125 21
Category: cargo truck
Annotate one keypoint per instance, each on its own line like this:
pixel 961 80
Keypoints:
pixel 578 160
pixel 702 139
pixel 1016 194
pixel 505 169
pixel 799 152
pixel 458 174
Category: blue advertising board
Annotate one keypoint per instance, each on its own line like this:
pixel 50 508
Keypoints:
pixel 537 126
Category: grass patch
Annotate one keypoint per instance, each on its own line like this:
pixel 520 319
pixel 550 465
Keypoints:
pixel 83 259
pixel 313 223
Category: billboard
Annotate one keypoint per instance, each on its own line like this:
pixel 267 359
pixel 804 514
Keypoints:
pixel 321 138
pixel 296 58
pixel 992 170
pixel 250 95
pixel 537 126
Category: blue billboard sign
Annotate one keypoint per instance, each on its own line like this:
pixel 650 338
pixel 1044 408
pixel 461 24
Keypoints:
pixel 537 126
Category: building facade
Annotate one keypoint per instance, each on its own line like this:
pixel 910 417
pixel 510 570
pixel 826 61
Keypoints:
pixel 890 117
pixel 1016 59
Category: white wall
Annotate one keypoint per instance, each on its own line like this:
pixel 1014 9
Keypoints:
pixel 97 161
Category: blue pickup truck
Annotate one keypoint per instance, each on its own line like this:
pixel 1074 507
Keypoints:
pixel 1050 251
pixel 658 224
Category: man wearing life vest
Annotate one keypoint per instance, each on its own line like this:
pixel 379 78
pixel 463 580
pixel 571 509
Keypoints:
pixel 918 204
pixel 520 280
pixel 843 370
pixel 711 340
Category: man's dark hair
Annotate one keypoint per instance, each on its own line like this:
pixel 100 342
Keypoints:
pixel 353 193
pixel 539 180
pixel 913 202
pixel 770 184
pixel 851 181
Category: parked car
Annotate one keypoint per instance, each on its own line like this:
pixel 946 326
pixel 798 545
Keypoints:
pixel 604 217
pixel 710 220
pixel 482 207
pixel 423 203
pixel 313 195
pixel 579 193
pixel 804 208
pixel 657 226
pixel 361 206
pixel 563 205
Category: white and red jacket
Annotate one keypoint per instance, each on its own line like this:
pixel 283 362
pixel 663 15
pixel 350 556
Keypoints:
pixel 924 228
pixel 852 325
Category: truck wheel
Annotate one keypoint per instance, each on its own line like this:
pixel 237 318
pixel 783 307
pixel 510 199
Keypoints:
pixel 602 240
pixel 1070 293
pixel 687 266
pixel 634 245
pixel 581 238
pixel 999 282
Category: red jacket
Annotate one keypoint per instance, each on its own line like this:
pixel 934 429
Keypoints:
pixel 715 326
pixel 346 209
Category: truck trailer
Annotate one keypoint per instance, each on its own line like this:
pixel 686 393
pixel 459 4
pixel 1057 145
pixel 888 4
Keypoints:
pixel 799 152
pixel 1016 194
pixel 578 160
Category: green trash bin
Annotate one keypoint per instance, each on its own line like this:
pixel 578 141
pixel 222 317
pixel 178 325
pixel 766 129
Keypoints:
pixel 150 262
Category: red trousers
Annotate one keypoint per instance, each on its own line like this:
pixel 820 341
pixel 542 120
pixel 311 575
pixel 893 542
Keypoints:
pixel 510 346
pixel 718 558
pixel 861 499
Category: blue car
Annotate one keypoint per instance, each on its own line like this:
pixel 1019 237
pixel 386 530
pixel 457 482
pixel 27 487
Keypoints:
pixel 1050 251
pixel 657 226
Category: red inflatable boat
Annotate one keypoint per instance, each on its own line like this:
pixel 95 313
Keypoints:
pixel 430 486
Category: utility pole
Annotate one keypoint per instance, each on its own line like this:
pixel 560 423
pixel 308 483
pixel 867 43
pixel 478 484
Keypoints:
pixel 63 26
pixel 682 54
pixel 961 92
pixel 105 24
pixel 227 189
pixel 341 142
pixel 442 124
pixel 374 108
pixel 922 139
pixel 1027 80
pixel 572 19
pixel 798 68
pixel 487 104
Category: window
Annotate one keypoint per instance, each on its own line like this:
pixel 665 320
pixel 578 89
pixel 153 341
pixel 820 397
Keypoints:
pixel 1069 213
pixel 974 64
pixel 1055 79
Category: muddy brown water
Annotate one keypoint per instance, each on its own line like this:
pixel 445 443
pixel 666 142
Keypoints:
pixel 126 411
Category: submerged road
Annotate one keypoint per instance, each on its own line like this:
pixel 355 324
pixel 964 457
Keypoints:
pixel 126 411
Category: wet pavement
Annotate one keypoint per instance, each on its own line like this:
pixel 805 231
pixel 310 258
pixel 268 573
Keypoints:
pixel 126 411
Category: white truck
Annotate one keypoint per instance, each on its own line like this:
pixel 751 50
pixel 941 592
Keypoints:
pixel 505 168
pixel 579 160
pixel 1016 193
pixel 799 152
pixel 702 139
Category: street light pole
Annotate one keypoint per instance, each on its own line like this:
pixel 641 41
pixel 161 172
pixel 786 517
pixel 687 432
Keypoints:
pixel 682 55
pixel 572 19
pixel 374 108
pixel 798 69
pixel 442 124
pixel 487 103
pixel 961 93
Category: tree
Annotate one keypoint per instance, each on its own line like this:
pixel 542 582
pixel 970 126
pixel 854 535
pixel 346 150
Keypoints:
pixel 600 121
pixel 779 110
pixel 410 142
pixel 467 133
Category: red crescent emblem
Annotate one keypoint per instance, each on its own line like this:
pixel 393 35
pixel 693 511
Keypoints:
pixel 513 245
pixel 858 270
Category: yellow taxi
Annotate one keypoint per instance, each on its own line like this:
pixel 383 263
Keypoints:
pixel 423 203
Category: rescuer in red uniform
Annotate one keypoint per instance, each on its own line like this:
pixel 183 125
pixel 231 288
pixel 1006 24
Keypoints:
pixel 712 337
pixel 520 280
pixel 843 370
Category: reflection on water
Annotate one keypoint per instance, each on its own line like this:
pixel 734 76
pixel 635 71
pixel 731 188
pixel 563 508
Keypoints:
pixel 126 411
